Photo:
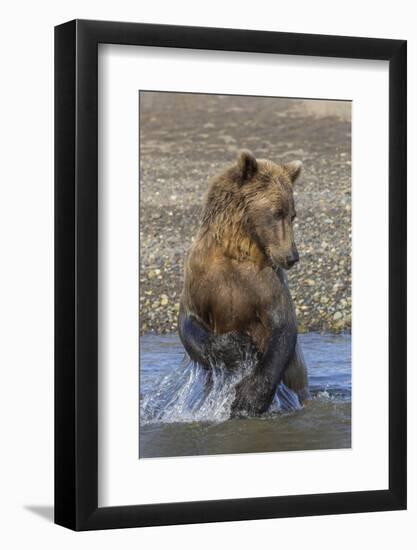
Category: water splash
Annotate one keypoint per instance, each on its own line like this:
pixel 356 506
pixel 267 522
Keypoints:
pixel 193 394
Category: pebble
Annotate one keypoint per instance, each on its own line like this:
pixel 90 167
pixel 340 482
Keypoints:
pixel 181 149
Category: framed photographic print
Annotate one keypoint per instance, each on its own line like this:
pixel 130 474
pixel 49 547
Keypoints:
pixel 230 252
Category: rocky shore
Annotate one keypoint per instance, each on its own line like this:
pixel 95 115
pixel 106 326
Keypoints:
pixel 186 139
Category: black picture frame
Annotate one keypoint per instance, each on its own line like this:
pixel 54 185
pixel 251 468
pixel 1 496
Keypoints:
pixel 76 272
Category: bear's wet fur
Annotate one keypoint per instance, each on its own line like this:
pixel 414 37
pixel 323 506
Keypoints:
pixel 235 299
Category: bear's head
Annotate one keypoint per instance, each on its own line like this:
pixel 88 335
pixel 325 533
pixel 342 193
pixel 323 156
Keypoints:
pixel 251 206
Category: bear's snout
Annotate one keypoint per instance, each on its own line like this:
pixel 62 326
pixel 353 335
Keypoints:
pixel 292 258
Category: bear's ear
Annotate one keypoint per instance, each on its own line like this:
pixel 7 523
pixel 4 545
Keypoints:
pixel 293 169
pixel 247 165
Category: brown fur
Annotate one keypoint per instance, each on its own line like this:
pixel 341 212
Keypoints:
pixel 233 275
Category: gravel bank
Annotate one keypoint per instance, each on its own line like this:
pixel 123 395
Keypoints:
pixel 186 139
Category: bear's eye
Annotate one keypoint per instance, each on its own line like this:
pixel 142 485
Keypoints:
pixel 279 214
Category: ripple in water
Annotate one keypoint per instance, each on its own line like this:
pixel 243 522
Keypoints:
pixel 184 412
pixel 193 394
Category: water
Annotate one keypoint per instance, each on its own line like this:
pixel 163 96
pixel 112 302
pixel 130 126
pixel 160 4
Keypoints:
pixel 181 415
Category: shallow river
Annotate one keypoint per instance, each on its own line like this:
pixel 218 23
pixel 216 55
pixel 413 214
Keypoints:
pixel 179 417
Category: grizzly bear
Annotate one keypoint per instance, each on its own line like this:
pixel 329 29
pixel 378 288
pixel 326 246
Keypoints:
pixel 235 299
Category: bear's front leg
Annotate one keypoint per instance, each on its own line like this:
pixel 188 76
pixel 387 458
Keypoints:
pixel 230 349
pixel 254 394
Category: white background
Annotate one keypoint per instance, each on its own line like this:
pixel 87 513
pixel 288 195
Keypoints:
pixel 122 478
pixel 26 180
